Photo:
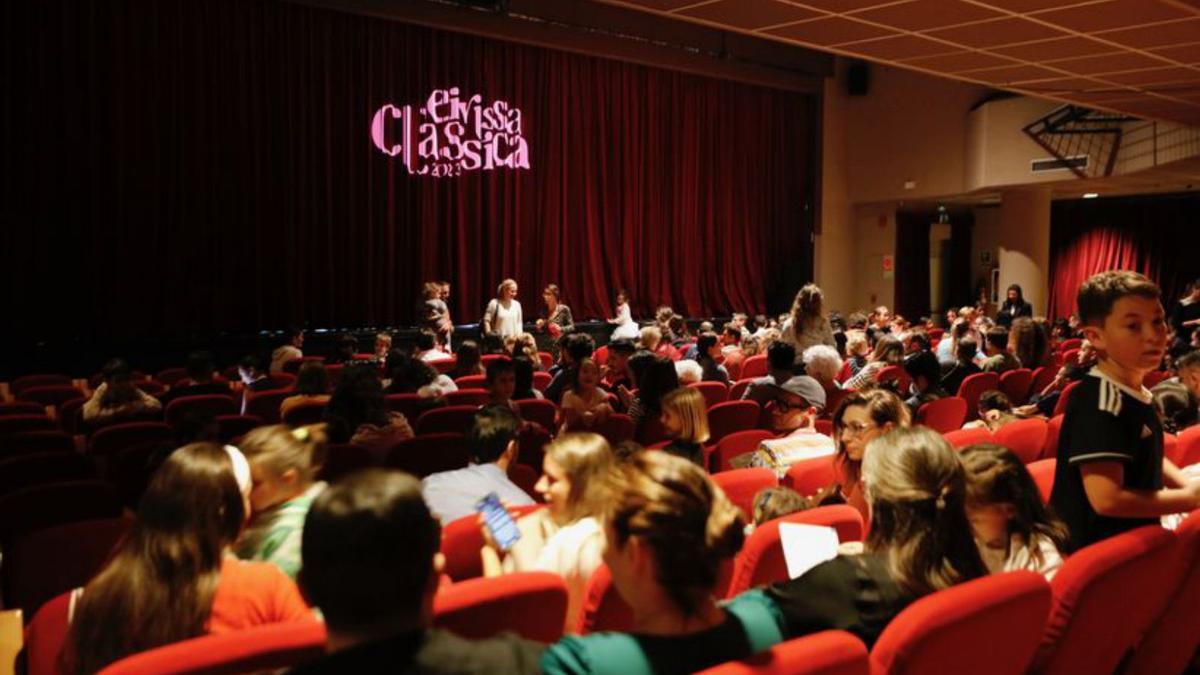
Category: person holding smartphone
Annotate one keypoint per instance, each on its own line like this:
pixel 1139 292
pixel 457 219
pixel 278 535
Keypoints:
pixel 566 537
pixel 454 494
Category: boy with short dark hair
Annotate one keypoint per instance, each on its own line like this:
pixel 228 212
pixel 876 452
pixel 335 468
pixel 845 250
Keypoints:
pixel 1111 475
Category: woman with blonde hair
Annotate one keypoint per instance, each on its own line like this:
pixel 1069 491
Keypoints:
pixel 566 537
pixel 503 316
pixel 669 530
pixel 685 419
pixel 920 542
pixel 807 324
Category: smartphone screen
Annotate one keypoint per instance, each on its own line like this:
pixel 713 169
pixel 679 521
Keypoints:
pixel 499 521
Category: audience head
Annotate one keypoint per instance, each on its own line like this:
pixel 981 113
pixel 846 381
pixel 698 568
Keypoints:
pixel 760 321
pixel 650 337
pixel 1123 318
pixel 688 371
pixel 294 336
pixel 357 400
pixel 738 319
pixel 705 327
pixel 575 471
pixel 966 350
pixel 1188 367
pixel 502 378
pixel 777 502
pixel 795 403
pixel 662 315
pixel 426 341
pixel 708 346
pixel 678 327
pixel 383 344
pixel 860 418
pixel 430 290
pixel 249 369
pixel 507 290
pixel 993 401
pixel 995 340
pixel 916 488
pixel 1003 499
pixel 823 364
pixel 492 344
pixel 158 587
pixel 685 415
pixel 751 346
pixel 586 376
pixel 580 346
pixel 657 381
pixel 468 358
pixel 522 377
pixel 1176 406
pixel 918 341
pixel 731 334
pixel 781 356
pixel 888 349
pixel 494 435
pixel 312 379
pixel 200 366
pixel 856 343
pixel 283 462
pixel 1027 339
pixel 669 529
pixel 924 369
pixel 345 347
pixel 370 551
pixel 639 363
pixel 118 383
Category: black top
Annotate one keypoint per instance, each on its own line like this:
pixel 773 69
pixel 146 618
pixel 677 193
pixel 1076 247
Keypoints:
pixel 1104 422
pixel 1011 310
pixel 689 451
pixel 851 593
pixel 953 378
pixel 432 651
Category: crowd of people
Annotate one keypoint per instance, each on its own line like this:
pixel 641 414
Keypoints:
pixel 229 537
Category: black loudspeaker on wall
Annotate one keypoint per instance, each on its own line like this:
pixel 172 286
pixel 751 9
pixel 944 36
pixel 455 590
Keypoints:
pixel 858 78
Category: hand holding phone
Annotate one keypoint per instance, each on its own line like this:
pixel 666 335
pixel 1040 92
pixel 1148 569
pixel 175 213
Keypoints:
pixel 499 521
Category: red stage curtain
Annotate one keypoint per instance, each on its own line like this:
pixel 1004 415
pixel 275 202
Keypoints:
pixel 192 167
pixel 1152 235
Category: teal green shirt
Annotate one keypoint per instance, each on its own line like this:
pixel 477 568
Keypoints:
pixel 753 623
pixel 274 535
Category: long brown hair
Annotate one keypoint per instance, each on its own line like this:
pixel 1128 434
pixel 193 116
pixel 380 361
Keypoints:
pixel 159 587
pixel 995 475
pixel 883 406
pixel 917 489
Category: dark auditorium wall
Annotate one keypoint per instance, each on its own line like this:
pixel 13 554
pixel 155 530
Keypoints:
pixel 179 167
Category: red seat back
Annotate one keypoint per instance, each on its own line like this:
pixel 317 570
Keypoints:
pixel 345 458
pixel 1042 472
pixel 1155 377
pixel 740 485
pixel 112 439
pixel 169 376
pixel 730 417
pixel 986 626
pixel 895 374
pixel 603 607
pixel 15 424
pixel 1053 429
pixel 30 442
pixel 539 410
pixel 303 414
pixel 409 405
pixel 50 395
pixel 944 414
pixel 1026 438
pixel 45 563
pixel 471 382
pixel 292 366
pixel 230 427
pixel 973 386
pixel 1188 449
pixel 738 389
pixel 473 397
pixel 1015 384
pixel 761 560
pixel 212 404
pixel 21 408
pixel 42 506
pixel 265 404
pixel 809 475
pixel 45 636
pixel 831 652
pixel 542 380
pixel 713 392
pixel 1060 406
pixel 600 356
pixel 262 648
pixel 1171 447
pixel 964 437
pixel 1119 577
pixel 44 468
pixel 461 541
pixel 426 454
pixel 833 398
pixel 450 419
pixel 531 604
pixel 1173 639
pixel 1067 345
pixel 618 428
pixel 19 385
pixel 754 366
pixel 735 444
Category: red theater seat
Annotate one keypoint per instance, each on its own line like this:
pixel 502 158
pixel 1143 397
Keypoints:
pixel 344 458
pixel 45 636
pixel 1067 345
pixel 730 417
pixel 42 506
pixel 215 404
pixel 265 404
pixel 1187 449
pixel 16 424
pixel 1026 438
pixel 943 415
pixel 974 386
pixel 603 607
pixel 21 408
pixel 895 374
pixel 292 366
pixel 740 485
pixel 461 541
pixel 1173 639
pixel 1105 597
pixel 539 410
pixel 231 427
pixel 831 652
pixel 50 561
pixel 761 560
pixel 617 429
pixel 1015 384
pixel 964 437
pixel 737 389
pixel 20 384
pixel 471 382
pixel 50 396
pixel 31 442
pixel 409 405
pixel 542 380
pixel 987 626
pixel 303 414
pixel 1042 472
pixel 452 419
pixel 1060 406
pixel 531 604
pixel 473 397
pixel 110 440
pixel 169 376
pixel 809 475
pixel 263 648
pixel 426 454
pixel 754 366
pixel 1053 429
pixel 713 392
pixel 44 468
pixel 736 444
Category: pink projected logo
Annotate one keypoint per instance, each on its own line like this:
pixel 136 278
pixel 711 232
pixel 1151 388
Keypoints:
pixel 449 135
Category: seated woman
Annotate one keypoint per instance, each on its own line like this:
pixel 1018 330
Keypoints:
pixel 585 405
pixel 669 530
pixel 708 353
pixel 860 418
pixel 469 360
pixel 995 411
pixel 657 379
pixel 920 541
pixel 117 397
pixel 312 386
pixel 566 537
pixel 173 578
pixel 1013 528
pixel 413 376
pixel 283 468
pixel 889 351
pixel 685 419
pixel 523 370
pixel 358 414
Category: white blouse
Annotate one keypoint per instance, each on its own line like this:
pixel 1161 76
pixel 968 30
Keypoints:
pixel 507 321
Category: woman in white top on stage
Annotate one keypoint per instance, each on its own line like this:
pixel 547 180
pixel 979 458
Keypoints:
pixel 626 328
pixel 503 316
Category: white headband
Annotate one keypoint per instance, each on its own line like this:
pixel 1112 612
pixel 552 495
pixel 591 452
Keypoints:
pixel 241 468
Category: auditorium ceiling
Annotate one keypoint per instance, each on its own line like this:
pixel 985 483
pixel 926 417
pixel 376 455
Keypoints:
pixel 1140 57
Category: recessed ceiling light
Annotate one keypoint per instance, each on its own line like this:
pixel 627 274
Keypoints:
pixel 1091 195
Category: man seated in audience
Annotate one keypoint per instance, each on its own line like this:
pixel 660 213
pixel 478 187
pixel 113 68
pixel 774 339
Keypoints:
pixel 252 375
pixel 964 366
pixel 576 348
pixel 1111 475
pixel 371 563
pixel 1182 392
pixel 925 372
pixel 738 321
pixel 199 381
pixel 493 439
pixel 383 345
pixel 780 358
pixel 793 410
pixel 998 359
pixel 427 349
pixel 731 347
pixel 616 369
pixel 290 349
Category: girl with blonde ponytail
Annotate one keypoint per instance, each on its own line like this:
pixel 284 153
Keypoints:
pixel 669 530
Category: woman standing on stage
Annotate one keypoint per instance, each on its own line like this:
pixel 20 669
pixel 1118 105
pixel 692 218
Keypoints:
pixel 626 327
pixel 503 316
pixel 558 319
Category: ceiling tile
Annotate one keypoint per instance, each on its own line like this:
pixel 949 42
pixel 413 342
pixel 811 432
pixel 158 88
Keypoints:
pixel 899 47
pixel 1113 14
pixel 1066 84
pixel 1058 48
pixel 839 6
pixel 1108 63
pixel 1031 5
pixel 1103 96
pixel 997 32
pixel 830 31
pixel 1159 35
pixel 952 63
pixel 1181 53
pixel 749 14
pixel 1013 74
pixel 917 15
pixel 660 4
pixel 1143 78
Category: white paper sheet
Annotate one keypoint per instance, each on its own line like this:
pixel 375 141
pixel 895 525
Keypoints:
pixel 806 546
